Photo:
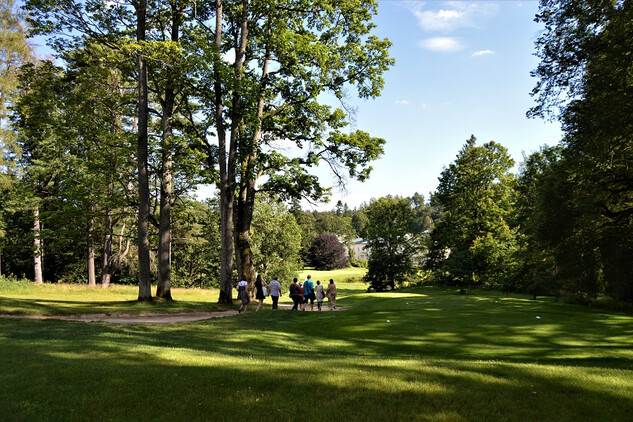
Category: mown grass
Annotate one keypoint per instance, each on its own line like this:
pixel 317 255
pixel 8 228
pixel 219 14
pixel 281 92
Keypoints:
pixel 424 354
pixel 27 298
pixel 345 275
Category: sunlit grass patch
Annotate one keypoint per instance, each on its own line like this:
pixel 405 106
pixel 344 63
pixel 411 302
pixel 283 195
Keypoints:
pixel 342 275
pixel 424 354
pixel 72 299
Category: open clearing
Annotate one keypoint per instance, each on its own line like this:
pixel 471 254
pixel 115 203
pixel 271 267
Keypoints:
pixel 423 353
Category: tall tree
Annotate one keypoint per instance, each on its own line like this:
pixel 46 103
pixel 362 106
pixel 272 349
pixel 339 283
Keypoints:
pixel 169 78
pixel 473 243
pixel 585 49
pixel 112 25
pixel 541 201
pixel 98 108
pixel 149 33
pixel 37 122
pixel 393 242
pixel 276 239
pixel 144 273
pixel 14 51
pixel 286 56
pixel 565 46
pixel 69 125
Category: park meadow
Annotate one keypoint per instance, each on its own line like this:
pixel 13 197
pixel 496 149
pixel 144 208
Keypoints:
pixel 419 353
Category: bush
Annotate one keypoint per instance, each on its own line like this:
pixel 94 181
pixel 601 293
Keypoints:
pixel 327 253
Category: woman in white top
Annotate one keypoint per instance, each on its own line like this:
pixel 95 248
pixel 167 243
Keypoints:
pixel 242 293
pixel 320 294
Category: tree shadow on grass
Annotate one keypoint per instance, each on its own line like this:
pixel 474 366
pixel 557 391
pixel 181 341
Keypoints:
pixel 226 370
pixel 420 326
pixel 52 307
pixel 404 358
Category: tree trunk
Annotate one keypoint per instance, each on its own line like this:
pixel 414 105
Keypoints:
pixel 237 132
pixel 249 176
pixel 37 244
pixel 163 290
pixel 144 274
pixel 227 192
pixel 106 276
pixel 246 204
pixel 92 281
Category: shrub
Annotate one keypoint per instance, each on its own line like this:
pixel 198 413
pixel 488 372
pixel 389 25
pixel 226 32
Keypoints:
pixel 327 253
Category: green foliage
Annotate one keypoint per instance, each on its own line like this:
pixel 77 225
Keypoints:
pixel 295 55
pixel 578 223
pixel 276 240
pixel 327 253
pixel 76 154
pixel 426 214
pixel 330 222
pixel 307 224
pixel 12 283
pixel 565 47
pixel 393 242
pixel 17 244
pixel 359 222
pixel 339 222
pixel 14 51
pixel 196 240
pixel 474 243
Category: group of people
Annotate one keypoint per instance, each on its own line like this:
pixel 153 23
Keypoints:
pixel 300 293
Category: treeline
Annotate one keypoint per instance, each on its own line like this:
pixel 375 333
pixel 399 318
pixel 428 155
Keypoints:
pixel 147 100
pixel 564 223
pixel 544 231
pixel 101 153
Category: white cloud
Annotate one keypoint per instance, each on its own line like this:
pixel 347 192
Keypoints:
pixel 452 14
pixel 403 102
pixel 482 53
pixel 442 44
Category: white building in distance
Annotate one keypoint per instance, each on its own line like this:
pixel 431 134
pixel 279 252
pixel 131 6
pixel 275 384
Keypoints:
pixel 360 250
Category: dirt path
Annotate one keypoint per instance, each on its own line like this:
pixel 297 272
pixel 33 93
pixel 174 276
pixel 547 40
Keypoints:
pixel 151 318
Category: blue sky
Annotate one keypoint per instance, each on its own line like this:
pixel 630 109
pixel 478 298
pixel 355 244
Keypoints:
pixel 462 68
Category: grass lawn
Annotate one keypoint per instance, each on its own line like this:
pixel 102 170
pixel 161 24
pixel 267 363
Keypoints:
pixel 346 275
pixel 67 299
pixel 423 354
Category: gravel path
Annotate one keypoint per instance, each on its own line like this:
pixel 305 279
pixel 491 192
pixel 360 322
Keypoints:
pixel 151 318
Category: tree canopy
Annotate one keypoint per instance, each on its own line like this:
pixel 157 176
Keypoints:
pixel 393 241
pixel 473 241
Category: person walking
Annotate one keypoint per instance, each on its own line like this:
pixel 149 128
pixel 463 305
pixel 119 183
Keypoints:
pixel 308 293
pixel 260 285
pixel 320 294
pixel 301 296
pixel 295 294
pixel 275 291
pixel 331 295
pixel 242 293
